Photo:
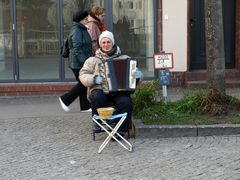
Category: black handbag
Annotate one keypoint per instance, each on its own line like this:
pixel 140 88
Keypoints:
pixel 65 50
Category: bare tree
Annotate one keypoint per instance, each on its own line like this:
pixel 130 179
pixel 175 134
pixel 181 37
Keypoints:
pixel 215 45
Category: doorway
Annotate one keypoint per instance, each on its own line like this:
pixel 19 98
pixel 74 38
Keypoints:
pixel 197 34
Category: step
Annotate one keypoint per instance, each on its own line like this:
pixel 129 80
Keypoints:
pixel 201 75
pixel 203 84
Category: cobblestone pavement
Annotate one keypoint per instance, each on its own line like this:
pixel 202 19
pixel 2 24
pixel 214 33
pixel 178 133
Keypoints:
pixel 40 141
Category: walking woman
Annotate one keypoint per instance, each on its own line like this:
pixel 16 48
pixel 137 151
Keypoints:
pixel 95 25
pixel 80 45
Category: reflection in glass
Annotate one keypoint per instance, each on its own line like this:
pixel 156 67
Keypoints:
pixel 37 37
pixel 69 7
pixel 6 48
pixel 133 30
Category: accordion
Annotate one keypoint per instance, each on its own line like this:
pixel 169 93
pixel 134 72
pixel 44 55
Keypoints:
pixel 117 74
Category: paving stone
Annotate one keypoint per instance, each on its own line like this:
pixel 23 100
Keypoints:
pixel 40 141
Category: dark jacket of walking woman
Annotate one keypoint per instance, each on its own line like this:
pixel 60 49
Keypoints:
pixel 80 45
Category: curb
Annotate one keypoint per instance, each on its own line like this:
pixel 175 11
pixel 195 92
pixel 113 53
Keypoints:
pixel 165 131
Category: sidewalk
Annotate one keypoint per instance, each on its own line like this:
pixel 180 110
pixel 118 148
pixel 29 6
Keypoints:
pixel 41 141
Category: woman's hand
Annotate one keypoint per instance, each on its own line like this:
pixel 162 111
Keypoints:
pixel 98 79
pixel 137 74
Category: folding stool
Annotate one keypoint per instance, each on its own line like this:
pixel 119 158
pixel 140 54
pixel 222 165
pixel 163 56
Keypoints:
pixel 130 133
pixel 112 131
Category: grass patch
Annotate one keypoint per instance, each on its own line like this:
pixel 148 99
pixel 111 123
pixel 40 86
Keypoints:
pixel 198 108
pixel 235 119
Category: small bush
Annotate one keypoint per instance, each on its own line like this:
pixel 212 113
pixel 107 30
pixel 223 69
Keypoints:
pixel 233 101
pixel 213 103
pixel 188 104
pixel 145 96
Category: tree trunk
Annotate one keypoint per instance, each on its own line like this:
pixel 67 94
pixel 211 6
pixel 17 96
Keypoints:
pixel 215 45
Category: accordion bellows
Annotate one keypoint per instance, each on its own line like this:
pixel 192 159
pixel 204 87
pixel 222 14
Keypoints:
pixel 117 74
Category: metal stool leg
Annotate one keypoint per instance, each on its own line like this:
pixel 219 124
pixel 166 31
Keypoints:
pixel 112 132
pixel 111 135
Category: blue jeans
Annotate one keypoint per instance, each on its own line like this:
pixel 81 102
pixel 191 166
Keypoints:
pixel 121 101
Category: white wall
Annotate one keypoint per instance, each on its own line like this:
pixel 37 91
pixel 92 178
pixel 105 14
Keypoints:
pixel 175 31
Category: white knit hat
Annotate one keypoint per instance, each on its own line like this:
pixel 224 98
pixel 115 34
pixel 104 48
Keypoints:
pixel 106 34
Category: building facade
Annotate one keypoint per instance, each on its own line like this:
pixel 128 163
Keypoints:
pixel 32 33
pixel 183 34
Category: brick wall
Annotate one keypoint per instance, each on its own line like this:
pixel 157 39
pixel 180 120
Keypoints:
pixel 177 79
pixel 22 89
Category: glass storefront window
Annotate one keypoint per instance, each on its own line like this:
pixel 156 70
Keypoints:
pixel 6 39
pixel 134 31
pixel 37 39
pixel 38 34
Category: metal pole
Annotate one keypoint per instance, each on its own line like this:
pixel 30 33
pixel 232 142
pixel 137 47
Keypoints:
pixel 164 93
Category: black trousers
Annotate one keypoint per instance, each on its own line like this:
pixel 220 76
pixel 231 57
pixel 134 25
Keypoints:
pixel 79 90
pixel 121 101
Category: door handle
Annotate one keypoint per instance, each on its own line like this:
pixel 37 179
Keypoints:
pixel 192 21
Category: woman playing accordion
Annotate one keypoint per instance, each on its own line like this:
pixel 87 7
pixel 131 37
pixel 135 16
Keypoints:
pixel 110 78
